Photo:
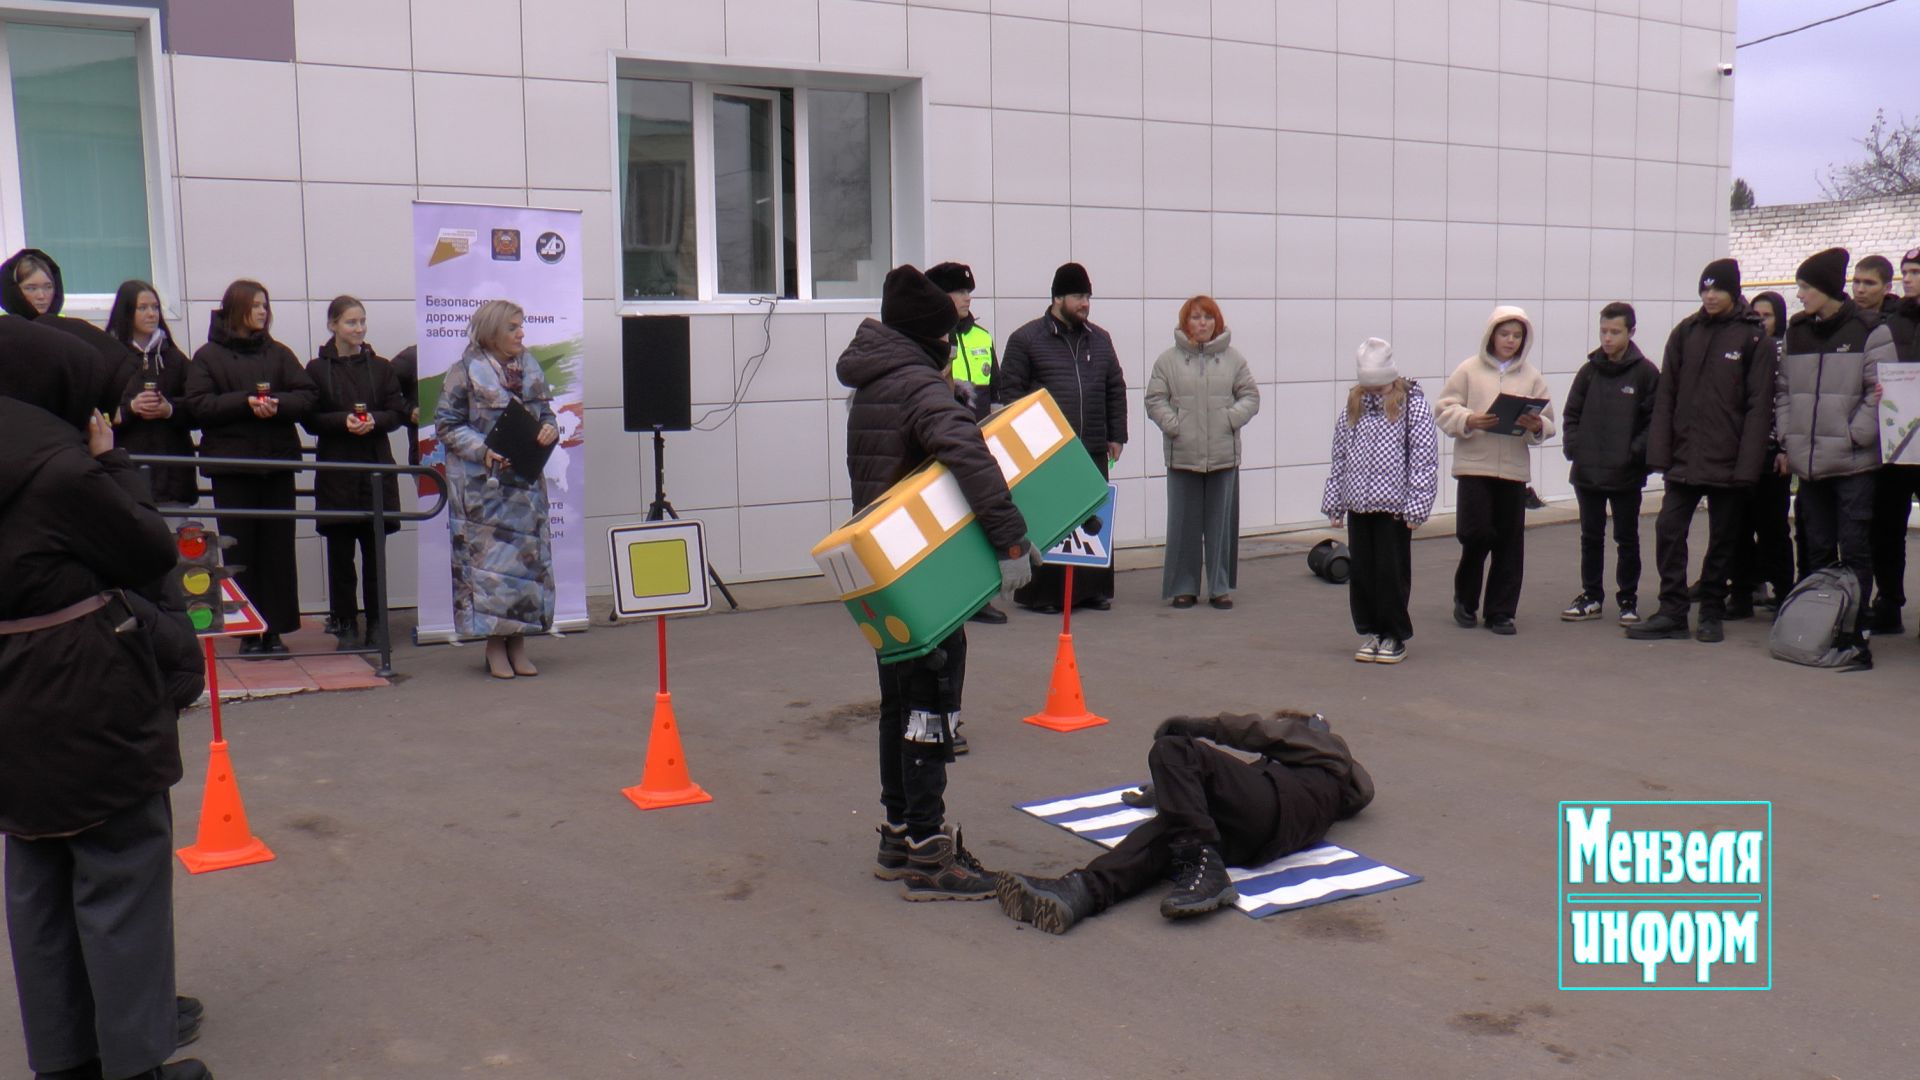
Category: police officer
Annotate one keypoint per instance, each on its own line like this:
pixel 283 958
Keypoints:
pixel 973 364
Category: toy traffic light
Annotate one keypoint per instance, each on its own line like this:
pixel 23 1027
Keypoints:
pixel 193 585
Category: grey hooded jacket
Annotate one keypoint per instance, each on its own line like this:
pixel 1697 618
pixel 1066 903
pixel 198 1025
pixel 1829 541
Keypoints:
pixel 1821 406
pixel 1200 398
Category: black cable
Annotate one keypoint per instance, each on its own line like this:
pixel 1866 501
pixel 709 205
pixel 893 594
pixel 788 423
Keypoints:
pixel 744 379
pixel 1811 25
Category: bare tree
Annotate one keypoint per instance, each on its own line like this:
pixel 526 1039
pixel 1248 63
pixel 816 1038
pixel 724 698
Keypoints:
pixel 1891 165
pixel 1742 197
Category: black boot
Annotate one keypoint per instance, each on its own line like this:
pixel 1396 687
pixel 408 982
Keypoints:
pixel 941 868
pixel 88 1071
pixel 1661 627
pixel 186 1025
pixel 1739 606
pixel 891 865
pixel 1050 904
pixel 1710 630
pixel 1200 883
pixel 184 1069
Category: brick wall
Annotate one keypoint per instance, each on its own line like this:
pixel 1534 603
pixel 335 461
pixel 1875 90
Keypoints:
pixel 1771 241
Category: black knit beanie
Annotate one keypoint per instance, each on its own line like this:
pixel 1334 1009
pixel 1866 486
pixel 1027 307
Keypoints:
pixel 1072 280
pixel 1910 258
pixel 1826 272
pixel 915 306
pixel 952 277
pixel 1723 275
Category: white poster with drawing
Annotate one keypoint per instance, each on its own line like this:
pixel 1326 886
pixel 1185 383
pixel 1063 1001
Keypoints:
pixel 1900 414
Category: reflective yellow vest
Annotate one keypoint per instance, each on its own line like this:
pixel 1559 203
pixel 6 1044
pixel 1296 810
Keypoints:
pixel 973 357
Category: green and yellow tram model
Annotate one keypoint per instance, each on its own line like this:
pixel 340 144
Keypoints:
pixel 914 565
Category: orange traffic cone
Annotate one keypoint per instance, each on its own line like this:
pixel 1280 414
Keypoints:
pixel 224 841
pixel 1066 707
pixel 665 781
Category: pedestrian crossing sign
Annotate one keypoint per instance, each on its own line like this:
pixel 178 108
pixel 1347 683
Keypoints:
pixel 1091 543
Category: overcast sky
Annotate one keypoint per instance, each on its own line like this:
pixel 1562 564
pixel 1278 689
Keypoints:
pixel 1801 101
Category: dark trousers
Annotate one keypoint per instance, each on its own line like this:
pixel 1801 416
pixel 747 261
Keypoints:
pixel 1381 583
pixel 913 776
pixel 1894 487
pixel 1594 505
pixel 1203 795
pixel 1490 518
pixel 262 549
pixel 1203 533
pixel 1838 516
pixel 1725 514
pixel 341 542
pixel 90 923
pixel 1764 548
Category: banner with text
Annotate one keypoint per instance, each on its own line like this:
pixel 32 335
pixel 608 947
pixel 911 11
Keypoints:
pixel 465 255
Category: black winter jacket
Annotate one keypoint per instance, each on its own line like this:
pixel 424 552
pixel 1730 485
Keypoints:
pixel 365 379
pixel 1322 782
pixel 1079 367
pixel 1603 428
pixel 166 368
pixel 1713 411
pixel 109 367
pixel 406 368
pixel 88 723
pixel 904 410
pixel 221 380
pixel 1904 324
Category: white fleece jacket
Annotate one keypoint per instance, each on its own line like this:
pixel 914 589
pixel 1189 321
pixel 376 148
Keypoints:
pixel 1471 389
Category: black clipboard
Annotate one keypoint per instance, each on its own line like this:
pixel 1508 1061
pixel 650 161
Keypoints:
pixel 1508 408
pixel 516 437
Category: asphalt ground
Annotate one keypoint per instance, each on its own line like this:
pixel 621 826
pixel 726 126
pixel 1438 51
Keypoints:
pixel 462 890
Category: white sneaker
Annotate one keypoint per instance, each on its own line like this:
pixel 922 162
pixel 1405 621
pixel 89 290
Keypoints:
pixel 1391 651
pixel 1369 650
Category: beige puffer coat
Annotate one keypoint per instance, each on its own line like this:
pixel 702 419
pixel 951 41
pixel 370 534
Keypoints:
pixel 1200 397
pixel 1471 389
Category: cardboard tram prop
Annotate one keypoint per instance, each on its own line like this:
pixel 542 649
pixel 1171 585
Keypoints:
pixel 915 564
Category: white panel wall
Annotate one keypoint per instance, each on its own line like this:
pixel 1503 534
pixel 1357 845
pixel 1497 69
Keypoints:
pixel 1329 171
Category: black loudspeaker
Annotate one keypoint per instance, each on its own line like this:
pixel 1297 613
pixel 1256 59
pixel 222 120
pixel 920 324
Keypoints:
pixel 656 369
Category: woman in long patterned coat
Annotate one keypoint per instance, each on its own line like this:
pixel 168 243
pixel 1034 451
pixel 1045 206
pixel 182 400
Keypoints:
pixel 502 550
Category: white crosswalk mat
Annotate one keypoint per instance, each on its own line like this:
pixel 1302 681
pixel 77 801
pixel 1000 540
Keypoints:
pixel 1317 875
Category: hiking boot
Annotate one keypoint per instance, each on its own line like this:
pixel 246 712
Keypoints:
pixel 1739 606
pixel 1463 615
pixel 891 864
pixel 1369 649
pixel 1660 628
pixel 1391 651
pixel 1502 625
pixel 1200 883
pixel 1583 608
pixel 1629 613
pixel 941 868
pixel 1710 630
pixel 1049 904
pixel 338 626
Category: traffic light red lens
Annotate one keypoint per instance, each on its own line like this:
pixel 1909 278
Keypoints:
pixel 200 615
pixel 192 543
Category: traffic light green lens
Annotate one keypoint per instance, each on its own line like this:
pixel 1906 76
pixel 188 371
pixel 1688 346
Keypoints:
pixel 200 616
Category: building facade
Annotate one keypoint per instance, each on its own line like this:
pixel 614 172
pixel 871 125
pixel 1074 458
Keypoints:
pixel 1328 171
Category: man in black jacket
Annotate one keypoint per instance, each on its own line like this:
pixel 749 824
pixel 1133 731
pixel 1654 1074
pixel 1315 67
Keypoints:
pixel 903 410
pixel 1604 433
pixel 1711 418
pixel 1212 810
pixel 1872 281
pixel 1895 485
pixel 91 680
pixel 1074 360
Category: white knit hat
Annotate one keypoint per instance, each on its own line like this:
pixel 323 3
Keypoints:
pixel 1375 360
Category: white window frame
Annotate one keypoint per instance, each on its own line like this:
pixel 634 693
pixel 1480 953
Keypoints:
pixel 156 136
pixel 704 195
pixel 907 165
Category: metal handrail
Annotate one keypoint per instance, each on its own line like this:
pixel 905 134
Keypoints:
pixel 377 515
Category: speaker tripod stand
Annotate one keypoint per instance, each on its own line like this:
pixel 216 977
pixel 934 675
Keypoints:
pixel 661 510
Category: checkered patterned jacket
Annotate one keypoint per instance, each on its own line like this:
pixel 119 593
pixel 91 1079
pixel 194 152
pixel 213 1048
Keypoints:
pixel 1383 466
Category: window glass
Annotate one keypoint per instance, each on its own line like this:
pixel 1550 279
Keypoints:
pixel 657 246
pixel 746 182
pixel 848 169
pixel 83 172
